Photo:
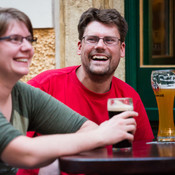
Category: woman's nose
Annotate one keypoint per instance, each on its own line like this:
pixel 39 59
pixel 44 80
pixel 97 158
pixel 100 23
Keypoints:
pixel 26 45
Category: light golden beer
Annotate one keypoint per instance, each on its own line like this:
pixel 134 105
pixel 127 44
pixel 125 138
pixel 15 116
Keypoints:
pixel 165 103
pixel 164 91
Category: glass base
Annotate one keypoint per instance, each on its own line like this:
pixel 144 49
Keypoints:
pixel 124 145
pixel 126 149
pixel 166 139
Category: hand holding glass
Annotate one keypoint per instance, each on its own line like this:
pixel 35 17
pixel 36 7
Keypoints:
pixel 116 106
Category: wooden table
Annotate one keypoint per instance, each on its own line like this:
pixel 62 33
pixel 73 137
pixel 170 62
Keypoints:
pixel 143 158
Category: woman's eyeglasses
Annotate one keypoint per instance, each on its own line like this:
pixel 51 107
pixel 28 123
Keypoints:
pixel 18 39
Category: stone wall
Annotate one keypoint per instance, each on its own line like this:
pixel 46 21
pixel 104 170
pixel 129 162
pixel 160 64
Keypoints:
pixel 72 12
pixel 44 57
pixel 69 14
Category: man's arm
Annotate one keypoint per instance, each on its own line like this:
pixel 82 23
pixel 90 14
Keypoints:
pixel 40 151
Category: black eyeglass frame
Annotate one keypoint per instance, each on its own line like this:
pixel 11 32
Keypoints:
pixel 12 38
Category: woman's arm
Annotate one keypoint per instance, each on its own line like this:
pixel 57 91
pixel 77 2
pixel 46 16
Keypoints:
pixel 27 152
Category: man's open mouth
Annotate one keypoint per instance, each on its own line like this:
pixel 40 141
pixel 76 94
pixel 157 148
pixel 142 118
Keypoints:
pixel 100 58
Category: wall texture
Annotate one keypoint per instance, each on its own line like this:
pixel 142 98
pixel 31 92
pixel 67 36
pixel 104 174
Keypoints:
pixel 72 10
pixel 69 14
pixel 44 57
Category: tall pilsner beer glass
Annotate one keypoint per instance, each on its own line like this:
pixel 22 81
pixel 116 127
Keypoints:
pixel 163 85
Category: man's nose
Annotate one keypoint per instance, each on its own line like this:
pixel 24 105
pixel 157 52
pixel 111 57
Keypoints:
pixel 100 43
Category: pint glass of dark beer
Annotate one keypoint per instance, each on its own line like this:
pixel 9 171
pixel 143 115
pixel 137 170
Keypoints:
pixel 116 106
pixel 163 85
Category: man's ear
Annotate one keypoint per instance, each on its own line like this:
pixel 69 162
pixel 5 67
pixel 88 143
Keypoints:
pixel 79 48
pixel 122 50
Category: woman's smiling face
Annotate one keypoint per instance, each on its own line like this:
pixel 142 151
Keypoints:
pixel 15 58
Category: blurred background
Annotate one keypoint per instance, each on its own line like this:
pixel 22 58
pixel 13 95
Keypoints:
pixel 150 43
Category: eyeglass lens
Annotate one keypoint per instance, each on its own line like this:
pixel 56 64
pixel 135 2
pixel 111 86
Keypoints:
pixel 108 40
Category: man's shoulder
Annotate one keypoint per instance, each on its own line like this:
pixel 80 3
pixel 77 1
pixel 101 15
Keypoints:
pixel 120 82
pixel 123 86
pixel 48 75
pixel 57 72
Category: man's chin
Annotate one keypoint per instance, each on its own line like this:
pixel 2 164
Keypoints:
pixel 99 69
pixel 99 72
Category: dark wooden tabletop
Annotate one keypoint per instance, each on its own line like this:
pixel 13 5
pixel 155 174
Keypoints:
pixel 143 158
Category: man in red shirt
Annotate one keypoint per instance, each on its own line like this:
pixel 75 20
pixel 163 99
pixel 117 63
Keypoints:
pixel 87 87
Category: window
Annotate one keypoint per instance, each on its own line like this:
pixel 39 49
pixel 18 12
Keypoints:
pixel 157 29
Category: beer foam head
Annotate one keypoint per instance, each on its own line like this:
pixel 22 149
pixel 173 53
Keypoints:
pixel 163 79
pixel 117 105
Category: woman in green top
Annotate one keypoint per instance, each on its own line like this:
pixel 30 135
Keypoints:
pixel 23 108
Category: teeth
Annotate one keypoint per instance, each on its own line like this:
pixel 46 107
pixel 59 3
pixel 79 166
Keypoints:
pixel 99 57
pixel 22 60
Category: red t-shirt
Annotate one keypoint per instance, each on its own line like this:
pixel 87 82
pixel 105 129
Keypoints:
pixel 64 85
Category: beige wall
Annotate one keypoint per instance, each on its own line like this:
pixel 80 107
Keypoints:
pixel 44 57
pixel 69 14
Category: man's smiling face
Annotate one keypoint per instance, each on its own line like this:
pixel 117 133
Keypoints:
pixel 101 59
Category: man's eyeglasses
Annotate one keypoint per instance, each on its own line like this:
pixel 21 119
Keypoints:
pixel 108 40
pixel 18 39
